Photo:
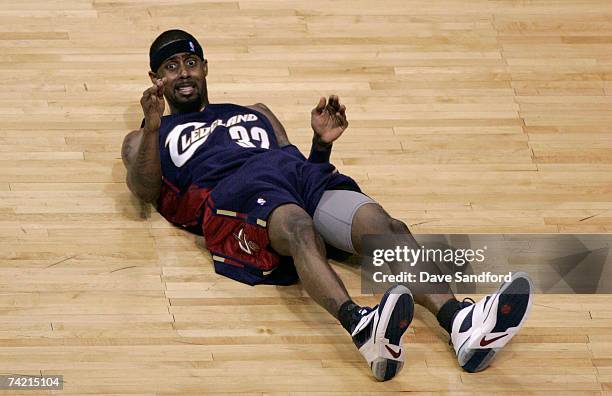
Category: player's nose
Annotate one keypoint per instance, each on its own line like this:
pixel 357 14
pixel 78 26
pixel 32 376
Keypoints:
pixel 183 70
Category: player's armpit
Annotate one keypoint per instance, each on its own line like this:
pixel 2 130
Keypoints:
pixel 279 130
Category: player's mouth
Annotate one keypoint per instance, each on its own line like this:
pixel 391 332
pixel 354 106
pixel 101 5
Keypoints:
pixel 186 89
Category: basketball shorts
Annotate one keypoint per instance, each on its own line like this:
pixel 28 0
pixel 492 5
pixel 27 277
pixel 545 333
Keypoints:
pixel 237 209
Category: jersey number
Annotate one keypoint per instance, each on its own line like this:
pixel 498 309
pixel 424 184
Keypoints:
pixel 244 138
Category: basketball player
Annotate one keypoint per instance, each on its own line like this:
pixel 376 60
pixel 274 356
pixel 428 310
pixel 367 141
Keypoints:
pixel 229 173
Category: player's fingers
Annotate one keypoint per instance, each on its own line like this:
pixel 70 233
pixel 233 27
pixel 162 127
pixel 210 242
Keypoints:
pixel 160 87
pixel 320 106
pixel 333 102
pixel 150 97
pixel 343 123
pixel 151 91
pixel 145 101
pixel 147 91
pixel 342 116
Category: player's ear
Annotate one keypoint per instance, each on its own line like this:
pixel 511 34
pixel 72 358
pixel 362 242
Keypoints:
pixel 153 77
pixel 205 66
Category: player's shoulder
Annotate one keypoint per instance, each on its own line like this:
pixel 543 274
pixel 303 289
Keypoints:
pixel 259 106
pixel 259 109
pixel 262 109
pixel 224 107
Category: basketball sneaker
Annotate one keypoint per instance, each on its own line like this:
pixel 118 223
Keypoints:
pixel 378 332
pixel 482 329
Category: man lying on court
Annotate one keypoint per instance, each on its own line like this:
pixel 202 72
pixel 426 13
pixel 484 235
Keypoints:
pixel 229 173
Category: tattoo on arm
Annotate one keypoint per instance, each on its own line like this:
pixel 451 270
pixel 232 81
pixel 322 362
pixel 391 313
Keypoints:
pixel 143 166
pixel 126 151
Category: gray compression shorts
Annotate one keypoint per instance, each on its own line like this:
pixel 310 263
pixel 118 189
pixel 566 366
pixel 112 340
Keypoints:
pixel 334 214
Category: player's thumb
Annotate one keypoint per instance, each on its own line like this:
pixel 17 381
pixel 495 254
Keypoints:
pixel 320 106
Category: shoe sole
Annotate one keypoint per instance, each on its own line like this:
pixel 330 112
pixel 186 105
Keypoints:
pixel 516 294
pixel 397 312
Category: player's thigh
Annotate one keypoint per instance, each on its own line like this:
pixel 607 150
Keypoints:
pixel 335 217
pixel 342 218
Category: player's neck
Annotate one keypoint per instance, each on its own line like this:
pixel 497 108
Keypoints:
pixel 174 110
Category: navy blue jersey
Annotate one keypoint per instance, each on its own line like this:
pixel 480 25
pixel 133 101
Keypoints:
pixel 224 173
pixel 205 147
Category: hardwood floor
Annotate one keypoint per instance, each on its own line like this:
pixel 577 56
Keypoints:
pixel 466 116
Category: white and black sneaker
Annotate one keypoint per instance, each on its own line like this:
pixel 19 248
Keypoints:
pixel 378 332
pixel 482 329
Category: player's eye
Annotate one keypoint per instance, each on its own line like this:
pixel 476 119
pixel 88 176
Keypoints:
pixel 191 62
pixel 171 66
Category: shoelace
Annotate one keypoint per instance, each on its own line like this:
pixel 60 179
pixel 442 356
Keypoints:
pixel 466 302
pixel 366 310
pixel 357 316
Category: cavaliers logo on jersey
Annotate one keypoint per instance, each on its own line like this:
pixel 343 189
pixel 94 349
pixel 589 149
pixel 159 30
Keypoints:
pixel 183 145
pixel 184 139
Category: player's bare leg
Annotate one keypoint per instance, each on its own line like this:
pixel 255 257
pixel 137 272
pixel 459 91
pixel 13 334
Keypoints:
pixel 377 332
pixel 373 219
pixel 476 336
pixel 292 233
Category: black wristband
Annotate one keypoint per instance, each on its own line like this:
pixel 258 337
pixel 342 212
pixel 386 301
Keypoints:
pixel 319 156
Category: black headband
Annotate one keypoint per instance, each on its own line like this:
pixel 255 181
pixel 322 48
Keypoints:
pixel 175 47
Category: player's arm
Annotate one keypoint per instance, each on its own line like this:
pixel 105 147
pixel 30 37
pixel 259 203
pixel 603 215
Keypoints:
pixel 279 130
pixel 140 156
pixel 140 150
pixel 328 121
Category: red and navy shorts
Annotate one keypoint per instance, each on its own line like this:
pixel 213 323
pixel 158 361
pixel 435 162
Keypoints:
pixel 241 249
pixel 238 242
pixel 233 214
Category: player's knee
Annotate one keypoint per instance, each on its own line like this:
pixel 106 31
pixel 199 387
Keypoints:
pixel 301 230
pixel 398 227
pixel 302 234
pixel 292 229
pixel 385 224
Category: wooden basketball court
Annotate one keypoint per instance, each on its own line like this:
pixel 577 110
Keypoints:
pixel 466 116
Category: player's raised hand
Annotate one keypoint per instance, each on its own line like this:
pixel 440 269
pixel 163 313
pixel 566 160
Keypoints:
pixel 153 105
pixel 328 119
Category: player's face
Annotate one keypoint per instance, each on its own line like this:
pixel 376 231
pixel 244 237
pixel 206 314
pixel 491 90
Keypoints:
pixel 185 81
